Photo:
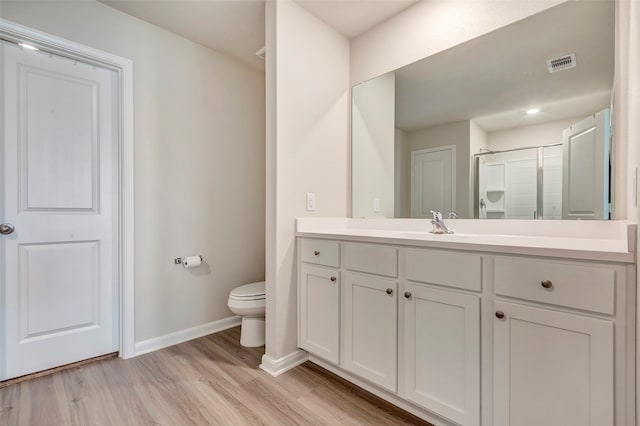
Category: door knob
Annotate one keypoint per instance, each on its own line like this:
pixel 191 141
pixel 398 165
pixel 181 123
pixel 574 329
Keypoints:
pixel 7 228
pixel 547 284
pixel 407 294
pixel 333 279
pixel 499 314
pixel 389 291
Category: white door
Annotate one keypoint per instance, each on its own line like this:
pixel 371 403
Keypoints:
pixel 433 181
pixel 59 191
pixel 551 368
pixel 585 171
pixel 370 328
pixel 442 352
pixel 320 312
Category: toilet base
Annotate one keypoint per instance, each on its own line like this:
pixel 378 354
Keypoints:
pixel 252 332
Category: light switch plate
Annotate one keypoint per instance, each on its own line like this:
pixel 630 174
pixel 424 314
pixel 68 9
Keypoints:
pixel 311 202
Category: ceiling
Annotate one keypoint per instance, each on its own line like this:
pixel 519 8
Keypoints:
pixel 496 78
pixel 353 17
pixel 236 27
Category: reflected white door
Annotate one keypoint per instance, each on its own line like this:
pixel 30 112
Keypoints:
pixel 59 190
pixel 585 172
pixel 433 181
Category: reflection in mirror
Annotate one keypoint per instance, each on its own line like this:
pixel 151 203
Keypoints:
pixel 513 124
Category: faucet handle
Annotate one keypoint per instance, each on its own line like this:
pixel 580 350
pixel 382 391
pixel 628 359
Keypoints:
pixel 453 215
pixel 437 216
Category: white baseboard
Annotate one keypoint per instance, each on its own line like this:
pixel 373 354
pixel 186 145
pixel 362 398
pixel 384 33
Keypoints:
pixel 275 367
pixel 180 336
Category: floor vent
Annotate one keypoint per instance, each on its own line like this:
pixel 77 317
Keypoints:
pixel 562 63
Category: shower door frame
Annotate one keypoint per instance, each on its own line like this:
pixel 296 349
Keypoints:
pixel 539 215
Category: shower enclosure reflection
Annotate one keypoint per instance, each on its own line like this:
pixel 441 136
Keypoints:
pixel 569 180
pixel 521 183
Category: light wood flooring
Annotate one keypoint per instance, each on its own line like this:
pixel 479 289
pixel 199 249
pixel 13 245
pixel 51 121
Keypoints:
pixel 208 381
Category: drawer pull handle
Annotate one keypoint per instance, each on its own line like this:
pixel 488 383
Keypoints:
pixel 407 295
pixel 547 284
pixel 389 291
pixel 499 314
pixel 316 253
pixel 333 279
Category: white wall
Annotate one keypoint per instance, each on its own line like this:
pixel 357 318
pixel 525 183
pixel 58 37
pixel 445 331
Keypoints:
pixel 402 184
pixel 632 109
pixel 448 134
pixel 308 100
pixel 199 122
pixel 527 136
pixel 373 146
pixel 429 27
pixel 627 108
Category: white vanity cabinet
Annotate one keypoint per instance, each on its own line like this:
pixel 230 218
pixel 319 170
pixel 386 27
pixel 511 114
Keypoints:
pixel 370 328
pixel 551 368
pixel 319 299
pixel 554 364
pixel 441 347
pixel 473 338
pixel 370 313
pixel 441 332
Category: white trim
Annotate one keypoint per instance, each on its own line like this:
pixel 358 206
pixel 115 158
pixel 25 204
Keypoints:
pixel 454 160
pixel 276 367
pixel 185 335
pixel 124 68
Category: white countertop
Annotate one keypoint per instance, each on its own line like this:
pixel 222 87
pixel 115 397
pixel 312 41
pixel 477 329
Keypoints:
pixel 610 241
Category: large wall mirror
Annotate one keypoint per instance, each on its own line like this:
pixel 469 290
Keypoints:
pixel 516 124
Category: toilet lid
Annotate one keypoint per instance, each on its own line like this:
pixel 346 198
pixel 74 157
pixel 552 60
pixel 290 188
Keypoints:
pixel 251 291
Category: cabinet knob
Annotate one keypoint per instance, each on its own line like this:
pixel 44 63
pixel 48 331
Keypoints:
pixel 499 314
pixel 389 291
pixel 316 253
pixel 547 284
pixel 407 294
pixel 333 279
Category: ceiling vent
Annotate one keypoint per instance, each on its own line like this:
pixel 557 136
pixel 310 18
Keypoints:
pixel 562 63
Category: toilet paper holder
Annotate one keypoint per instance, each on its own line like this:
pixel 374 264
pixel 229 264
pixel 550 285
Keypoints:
pixel 178 260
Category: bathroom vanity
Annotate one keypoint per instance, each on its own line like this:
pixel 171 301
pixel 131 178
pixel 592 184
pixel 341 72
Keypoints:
pixel 502 323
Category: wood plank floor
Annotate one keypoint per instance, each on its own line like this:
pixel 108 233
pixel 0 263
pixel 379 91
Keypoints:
pixel 208 381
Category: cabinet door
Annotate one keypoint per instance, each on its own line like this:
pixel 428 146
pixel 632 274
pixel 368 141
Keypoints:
pixel 441 345
pixel 370 328
pixel 320 312
pixel 551 368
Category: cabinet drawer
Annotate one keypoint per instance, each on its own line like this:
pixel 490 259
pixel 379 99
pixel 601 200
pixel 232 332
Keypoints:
pixel 374 259
pixel 445 268
pixel 579 286
pixel 321 252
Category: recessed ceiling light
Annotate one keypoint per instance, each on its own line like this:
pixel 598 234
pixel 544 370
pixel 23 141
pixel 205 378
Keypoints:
pixel 27 46
pixel 533 111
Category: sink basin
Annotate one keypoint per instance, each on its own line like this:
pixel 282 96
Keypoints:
pixel 429 235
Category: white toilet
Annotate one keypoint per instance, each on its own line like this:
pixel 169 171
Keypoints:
pixel 248 301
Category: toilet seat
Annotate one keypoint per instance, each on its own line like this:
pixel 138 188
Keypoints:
pixel 248 292
pixel 248 301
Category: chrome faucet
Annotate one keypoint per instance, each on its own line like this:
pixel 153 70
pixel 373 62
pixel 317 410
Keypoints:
pixel 438 224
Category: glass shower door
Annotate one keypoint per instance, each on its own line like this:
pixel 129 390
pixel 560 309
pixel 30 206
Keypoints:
pixel 508 185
